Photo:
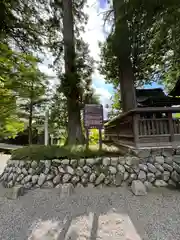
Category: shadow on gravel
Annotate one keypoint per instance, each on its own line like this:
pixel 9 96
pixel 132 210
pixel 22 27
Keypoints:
pixel 92 214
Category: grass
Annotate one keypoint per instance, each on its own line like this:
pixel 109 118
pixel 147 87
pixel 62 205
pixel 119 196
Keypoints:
pixel 41 152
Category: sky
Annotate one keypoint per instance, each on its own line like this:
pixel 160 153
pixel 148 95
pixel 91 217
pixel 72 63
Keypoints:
pixel 93 34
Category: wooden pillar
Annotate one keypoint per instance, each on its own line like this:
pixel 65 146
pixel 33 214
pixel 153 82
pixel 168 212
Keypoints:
pixel 171 128
pixel 136 118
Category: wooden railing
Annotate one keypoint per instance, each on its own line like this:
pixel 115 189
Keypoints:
pixel 145 127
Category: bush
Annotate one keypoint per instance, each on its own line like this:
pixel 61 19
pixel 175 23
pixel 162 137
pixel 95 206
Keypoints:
pixel 38 152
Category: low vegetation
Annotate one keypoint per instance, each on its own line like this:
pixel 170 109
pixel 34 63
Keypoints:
pixel 35 152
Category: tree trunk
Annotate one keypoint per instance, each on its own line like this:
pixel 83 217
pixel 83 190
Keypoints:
pixel 30 123
pixel 75 134
pixel 122 49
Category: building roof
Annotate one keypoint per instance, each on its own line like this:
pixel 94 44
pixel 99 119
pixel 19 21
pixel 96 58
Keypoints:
pixel 175 92
pixel 155 98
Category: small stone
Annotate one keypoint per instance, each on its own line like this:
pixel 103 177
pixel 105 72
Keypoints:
pixel 61 169
pixel 57 179
pixel 92 177
pixel 159 167
pixel 106 161
pixel 27 179
pixel 176 167
pixel 10 177
pixel 136 169
pixel 31 171
pixel 118 179
pixel 171 183
pixel 160 183
pixel 151 167
pixel 28 185
pixel 168 160
pixel 70 170
pixel 178 151
pixel 24 171
pixel 148 185
pixel 121 168
pixel 15 192
pixel 143 153
pixel 18 170
pixel 151 160
pixel 131 161
pixel 74 163
pixel 35 179
pixel 46 171
pixel 122 160
pixel 159 159
pixel 79 171
pixel 48 184
pixel 138 188
pixel 90 161
pixel 114 161
pixel 47 163
pixel 112 170
pixel 20 177
pixel 66 178
pixel 67 190
pixel 87 169
pixel 59 186
pixel 168 152
pixel 128 169
pixel 34 164
pixel 90 185
pixel 56 162
pixel 143 167
pixel 126 176
pixel 5 176
pixel 132 177
pixel 168 167
pixel 100 179
pixel 55 170
pixel 156 151
pixel 41 179
pixel 142 176
pixel 176 159
pixel 75 179
pixel 49 177
pixel 158 174
pixel 81 162
pixel 150 177
pixel 65 162
pixel 107 180
pixel 79 185
pixel 21 164
pixel 166 176
pixel 175 176
pixel 10 184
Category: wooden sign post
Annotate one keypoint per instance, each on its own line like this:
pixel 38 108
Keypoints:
pixel 93 118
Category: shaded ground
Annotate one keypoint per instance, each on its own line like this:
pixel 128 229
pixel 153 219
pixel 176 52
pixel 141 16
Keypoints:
pixel 91 214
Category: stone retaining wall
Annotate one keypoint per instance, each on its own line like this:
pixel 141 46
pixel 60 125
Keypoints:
pixel 159 167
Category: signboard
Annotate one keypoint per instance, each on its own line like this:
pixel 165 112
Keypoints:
pixel 93 116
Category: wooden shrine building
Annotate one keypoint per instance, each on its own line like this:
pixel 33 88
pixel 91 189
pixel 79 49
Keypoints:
pixel 151 124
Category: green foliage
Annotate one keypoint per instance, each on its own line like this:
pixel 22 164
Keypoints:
pixel 154 34
pixel 93 136
pixel 56 152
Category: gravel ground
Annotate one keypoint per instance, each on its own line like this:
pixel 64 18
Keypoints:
pixel 91 214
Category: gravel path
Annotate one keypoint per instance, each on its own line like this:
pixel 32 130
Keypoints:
pixel 91 214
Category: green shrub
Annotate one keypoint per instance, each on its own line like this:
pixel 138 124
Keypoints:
pixel 38 152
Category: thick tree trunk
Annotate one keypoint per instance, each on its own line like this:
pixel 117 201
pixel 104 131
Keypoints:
pixel 75 134
pixel 122 49
pixel 30 123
